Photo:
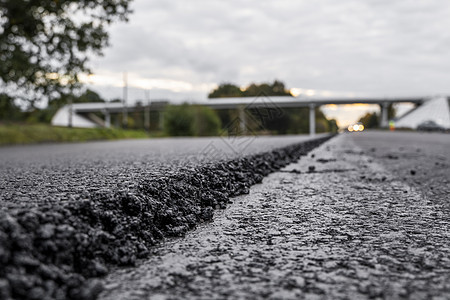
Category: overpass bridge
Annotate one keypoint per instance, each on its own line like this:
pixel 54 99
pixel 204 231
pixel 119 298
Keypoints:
pixel 73 115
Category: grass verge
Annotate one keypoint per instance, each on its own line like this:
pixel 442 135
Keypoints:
pixel 11 134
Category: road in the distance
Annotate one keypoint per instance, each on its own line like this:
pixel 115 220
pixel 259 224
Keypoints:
pixel 31 174
pixel 419 159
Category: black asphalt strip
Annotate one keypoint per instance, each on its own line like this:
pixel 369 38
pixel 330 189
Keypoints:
pixel 58 251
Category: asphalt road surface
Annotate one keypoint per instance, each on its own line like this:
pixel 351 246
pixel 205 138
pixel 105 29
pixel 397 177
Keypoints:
pixel 33 174
pixel 68 213
pixel 364 216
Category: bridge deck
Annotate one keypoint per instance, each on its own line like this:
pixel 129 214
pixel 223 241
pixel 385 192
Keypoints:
pixel 249 102
pixel 71 115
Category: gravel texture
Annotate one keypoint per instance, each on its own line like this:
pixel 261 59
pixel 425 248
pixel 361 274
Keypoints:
pixel 61 172
pixel 57 240
pixel 348 222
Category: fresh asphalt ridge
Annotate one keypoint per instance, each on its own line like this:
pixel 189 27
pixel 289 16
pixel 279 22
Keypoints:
pixel 364 216
pixel 58 172
pixel 71 212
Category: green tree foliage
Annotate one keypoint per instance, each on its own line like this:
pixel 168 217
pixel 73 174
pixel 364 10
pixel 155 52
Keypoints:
pixel 89 96
pixel 276 88
pixel 188 120
pixel 322 123
pixel 299 121
pixel 391 111
pixel 370 120
pixel 226 90
pixel 207 122
pixel 179 120
pixel 333 125
pixel 277 121
pixel 45 44
pixel 8 110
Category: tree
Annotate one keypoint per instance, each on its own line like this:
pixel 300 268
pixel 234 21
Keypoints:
pixel 391 111
pixel 89 96
pixel 45 44
pixel 8 110
pixel 207 122
pixel 179 120
pixel 254 90
pixel 369 120
pixel 191 120
pixel 276 88
pixel 332 124
pixel 226 90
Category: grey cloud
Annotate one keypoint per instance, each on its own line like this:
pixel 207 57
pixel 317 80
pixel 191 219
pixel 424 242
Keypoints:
pixel 377 47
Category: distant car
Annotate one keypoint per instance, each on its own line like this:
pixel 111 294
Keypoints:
pixel 356 127
pixel 430 126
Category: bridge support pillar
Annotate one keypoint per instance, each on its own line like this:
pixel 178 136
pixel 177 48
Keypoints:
pixel 161 120
pixel 70 121
pixel 242 121
pixel 107 119
pixel 147 117
pixel 384 122
pixel 312 119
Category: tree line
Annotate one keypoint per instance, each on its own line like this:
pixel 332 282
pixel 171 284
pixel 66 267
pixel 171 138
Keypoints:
pixel 224 90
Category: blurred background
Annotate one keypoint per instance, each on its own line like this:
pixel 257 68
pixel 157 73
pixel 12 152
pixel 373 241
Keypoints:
pixel 135 53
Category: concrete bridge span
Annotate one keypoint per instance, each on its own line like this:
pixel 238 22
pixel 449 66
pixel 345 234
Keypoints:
pixel 72 115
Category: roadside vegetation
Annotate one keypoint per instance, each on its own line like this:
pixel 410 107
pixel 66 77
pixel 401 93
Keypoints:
pixel 191 120
pixel 42 133
pixel 19 126
pixel 372 120
pixel 32 125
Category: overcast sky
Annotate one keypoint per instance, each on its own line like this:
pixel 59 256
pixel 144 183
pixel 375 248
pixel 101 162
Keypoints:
pixel 182 49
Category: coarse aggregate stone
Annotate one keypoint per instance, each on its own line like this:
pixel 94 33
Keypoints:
pixel 59 248
pixel 344 223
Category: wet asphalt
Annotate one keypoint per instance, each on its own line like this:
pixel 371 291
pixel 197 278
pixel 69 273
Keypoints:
pixel 364 216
